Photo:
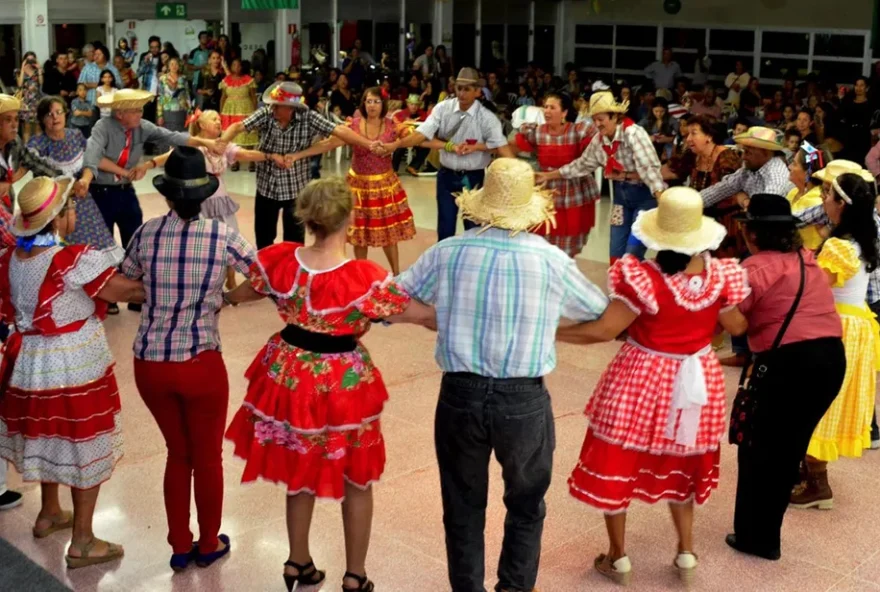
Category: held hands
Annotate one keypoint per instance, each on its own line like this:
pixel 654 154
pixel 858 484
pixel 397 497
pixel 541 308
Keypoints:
pixel 382 149
pixel 542 178
pixel 137 173
pixel 465 149
pixel 81 188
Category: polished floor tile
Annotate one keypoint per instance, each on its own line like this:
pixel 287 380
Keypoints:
pixel 834 550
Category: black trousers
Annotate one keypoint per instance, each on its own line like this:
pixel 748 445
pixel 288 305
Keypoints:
pixel 420 155
pixel 266 221
pixel 119 206
pixel 477 415
pixel 801 381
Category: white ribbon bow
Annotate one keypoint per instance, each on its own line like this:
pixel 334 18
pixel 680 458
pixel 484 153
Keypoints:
pixel 689 395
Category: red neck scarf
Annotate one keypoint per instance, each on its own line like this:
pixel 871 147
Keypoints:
pixel 611 163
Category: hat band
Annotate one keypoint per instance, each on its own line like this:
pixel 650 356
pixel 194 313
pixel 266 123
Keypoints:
pixel 841 192
pixel 770 218
pixel 285 97
pixel 187 183
pixel 25 217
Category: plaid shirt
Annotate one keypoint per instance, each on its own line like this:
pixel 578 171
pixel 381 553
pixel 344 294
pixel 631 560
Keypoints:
pixel 183 265
pixel 635 152
pixel 874 276
pixel 285 184
pixel 771 178
pixel 499 299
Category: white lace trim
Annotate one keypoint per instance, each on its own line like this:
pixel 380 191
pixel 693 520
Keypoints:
pixel 694 298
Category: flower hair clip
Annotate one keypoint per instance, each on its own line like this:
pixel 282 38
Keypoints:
pixel 812 155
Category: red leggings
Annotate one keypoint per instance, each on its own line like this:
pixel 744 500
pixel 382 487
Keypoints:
pixel 189 401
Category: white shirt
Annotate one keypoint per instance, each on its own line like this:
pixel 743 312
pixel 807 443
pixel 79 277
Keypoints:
pixel 478 124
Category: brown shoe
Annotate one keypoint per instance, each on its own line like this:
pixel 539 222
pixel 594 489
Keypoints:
pixel 814 492
pixel 735 361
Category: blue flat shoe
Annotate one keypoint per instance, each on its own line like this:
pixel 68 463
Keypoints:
pixel 180 561
pixel 208 559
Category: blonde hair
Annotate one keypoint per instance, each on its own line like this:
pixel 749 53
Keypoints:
pixel 195 128
pixel 325 205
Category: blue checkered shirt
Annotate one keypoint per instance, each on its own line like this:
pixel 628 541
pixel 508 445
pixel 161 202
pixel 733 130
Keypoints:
pixel 499 299
pixel 183 266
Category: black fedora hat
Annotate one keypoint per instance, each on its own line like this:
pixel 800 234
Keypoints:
pixel 185 176
pixel 768 208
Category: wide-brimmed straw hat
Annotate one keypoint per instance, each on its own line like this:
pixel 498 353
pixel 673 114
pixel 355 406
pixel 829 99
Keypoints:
pixel 838 167
pixel 186 177
pixel 761 137
pixel 9 103
pixel 767 208
pixel 39 202
pixel 286 94
pixel 678 224
pixel 509 199
pixel 126 98
pixel 603 102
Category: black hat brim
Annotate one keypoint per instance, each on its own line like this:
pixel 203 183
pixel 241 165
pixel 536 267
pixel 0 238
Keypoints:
pixel 774 219
pixel 177 193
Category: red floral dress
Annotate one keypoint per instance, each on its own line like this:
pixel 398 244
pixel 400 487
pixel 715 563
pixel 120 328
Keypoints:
pixel 310 421
pixel 645 440
pixel 575 199
pixel 381 211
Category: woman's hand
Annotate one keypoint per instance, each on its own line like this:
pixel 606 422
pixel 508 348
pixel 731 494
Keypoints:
pixel 81 188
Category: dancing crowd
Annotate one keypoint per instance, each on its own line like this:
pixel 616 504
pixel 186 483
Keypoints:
pixel 775 244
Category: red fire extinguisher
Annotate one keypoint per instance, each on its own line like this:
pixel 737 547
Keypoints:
pixel 295 49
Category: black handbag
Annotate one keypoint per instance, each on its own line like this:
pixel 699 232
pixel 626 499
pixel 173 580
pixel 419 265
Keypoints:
pixel 747 400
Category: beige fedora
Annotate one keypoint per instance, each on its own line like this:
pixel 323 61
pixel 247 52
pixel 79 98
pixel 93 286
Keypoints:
pixel 126 98
pixel 39 202
pixel 838 167
pixel 9 103
pixel 467 77
pixel 761 137
pixel 678 224
pixel 603 102
pixel 509 199
pixel 285 94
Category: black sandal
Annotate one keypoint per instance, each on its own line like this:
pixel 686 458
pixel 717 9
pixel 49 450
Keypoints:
pixel 364 585
pixel 307 575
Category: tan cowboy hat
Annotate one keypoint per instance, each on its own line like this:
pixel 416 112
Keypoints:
pixel 467 77
pixel 678 224
pixel 9 103
pixel 838 167
pixel 39 202
pixel 603 102
pixel 286 94
pixel 126 98
pixel 509 199
pixel 761 137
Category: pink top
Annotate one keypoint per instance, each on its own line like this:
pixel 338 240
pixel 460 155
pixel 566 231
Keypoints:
pixel 872 160
pixel 217 164
pixel 774 278
pixel 363 161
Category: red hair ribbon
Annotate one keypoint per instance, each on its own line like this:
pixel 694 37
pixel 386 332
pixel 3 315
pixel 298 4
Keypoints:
pixel 385 94
pixel 194 116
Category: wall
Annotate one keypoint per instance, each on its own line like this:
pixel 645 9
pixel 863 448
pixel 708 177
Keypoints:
pixel 183 34
pixel 858 14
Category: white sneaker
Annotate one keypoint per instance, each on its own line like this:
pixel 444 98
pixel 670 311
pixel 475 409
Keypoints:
pixel 9 500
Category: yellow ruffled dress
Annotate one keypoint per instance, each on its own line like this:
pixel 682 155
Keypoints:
pixel 809 234
pixel 845 430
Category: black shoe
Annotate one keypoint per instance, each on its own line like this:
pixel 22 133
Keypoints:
pixel 113 309
pixel 772 555
pixel 306 575
pixel 9 500
pixel 134 307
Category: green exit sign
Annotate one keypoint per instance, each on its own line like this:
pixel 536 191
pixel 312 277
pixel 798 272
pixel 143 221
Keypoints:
pixel 170 10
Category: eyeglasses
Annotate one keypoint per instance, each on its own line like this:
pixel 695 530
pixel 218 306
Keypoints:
pixel 373 101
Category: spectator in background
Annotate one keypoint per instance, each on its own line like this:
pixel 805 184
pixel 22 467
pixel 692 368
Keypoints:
pixel 124 50
pixel 149 69
pixel 709 103
pixel 736 82
pixel 804 124
pixel 129 78
pixel 57 80
pixel 365 56
pixel 354 69
pixel 73 60
pixel 701 68
pixel 343 98
pixel 208 93
pixel 81 112
pixel 661 127
pixel 226 50
pixel 793 141
pixel 856 112
pixel 445 65
pixel 524 97
pixel 665 72
pixel 88 54
pixel 426 63
pixel 91 74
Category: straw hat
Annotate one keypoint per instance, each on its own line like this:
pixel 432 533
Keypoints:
pixel 678 224
pixel 9 103
pixel 286 94
pixel 413 99
pixel 509 199
pixel 39 202
pixel 603 102
pixel 761 137
pixel 838 167
pixel 126 98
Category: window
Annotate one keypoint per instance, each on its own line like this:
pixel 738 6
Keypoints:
pixel 684 38
pixel 594 34
pixel 686 61
pixel 634 59
pixel 586 57
pixel 732 40
pixel 842 46
pixel 722 65
pixel 637 36
pixel 841 72
pixel 783 67
pixel 775 42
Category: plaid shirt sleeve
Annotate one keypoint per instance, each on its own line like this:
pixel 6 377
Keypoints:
pixel 131 265
pixel 33 162
pixel 582 299
pixel 729 185
pixel 645 157
pixel 776 181
pixel 586 163
pixel 257 119
pixel 320 126
pixel 239 253
pixel 814 215
pixel 420 280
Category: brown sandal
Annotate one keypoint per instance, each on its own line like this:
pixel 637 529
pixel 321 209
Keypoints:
pixel 62 521
pixel 620 571
pixel 114 552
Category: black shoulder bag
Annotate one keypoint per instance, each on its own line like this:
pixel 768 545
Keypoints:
pixel 746 402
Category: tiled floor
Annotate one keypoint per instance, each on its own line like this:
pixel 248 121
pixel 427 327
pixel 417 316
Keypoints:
pixel 835 550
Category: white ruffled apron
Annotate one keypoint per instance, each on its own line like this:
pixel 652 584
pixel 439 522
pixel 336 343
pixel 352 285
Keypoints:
pixel 689 394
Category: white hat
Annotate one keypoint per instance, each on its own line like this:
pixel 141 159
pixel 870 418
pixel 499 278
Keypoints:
pixel 678 224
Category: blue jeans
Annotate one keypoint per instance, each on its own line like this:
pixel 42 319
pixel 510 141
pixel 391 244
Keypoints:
pixel 315 167
pixel 449 182
pixel 629 200
pixel 513 417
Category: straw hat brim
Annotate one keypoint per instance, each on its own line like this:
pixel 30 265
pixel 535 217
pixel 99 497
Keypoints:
pixel 758 143
pixel 707 237
pixel 537 212
pixel 610 108
pixel 38 222
pixel 135 101
pixel 825 175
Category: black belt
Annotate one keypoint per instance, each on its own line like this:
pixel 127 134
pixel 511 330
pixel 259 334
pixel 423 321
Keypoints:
pixel 102 187
pixel 536 381
pixel 463 173
pixel 320 343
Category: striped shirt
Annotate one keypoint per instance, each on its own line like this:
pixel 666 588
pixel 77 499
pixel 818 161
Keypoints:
pixel 499 299
pixel 183 266
pixel 477 123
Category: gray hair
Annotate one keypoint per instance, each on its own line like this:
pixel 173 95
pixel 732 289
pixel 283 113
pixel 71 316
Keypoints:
pixel 88 47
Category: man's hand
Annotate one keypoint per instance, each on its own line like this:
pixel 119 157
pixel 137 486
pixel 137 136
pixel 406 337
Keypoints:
pixel 742 199
pixel 542 178
pixel 279 161
pixel 290 159
pixel 137 173
pixel 81 188
pixel 465 149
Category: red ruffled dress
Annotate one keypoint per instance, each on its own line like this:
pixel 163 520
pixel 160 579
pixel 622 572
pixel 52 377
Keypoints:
pixel 656 418
pixel 60 414
pixel 575 199
pixel 310 421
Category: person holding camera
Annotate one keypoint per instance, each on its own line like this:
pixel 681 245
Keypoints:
pixel 29 80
